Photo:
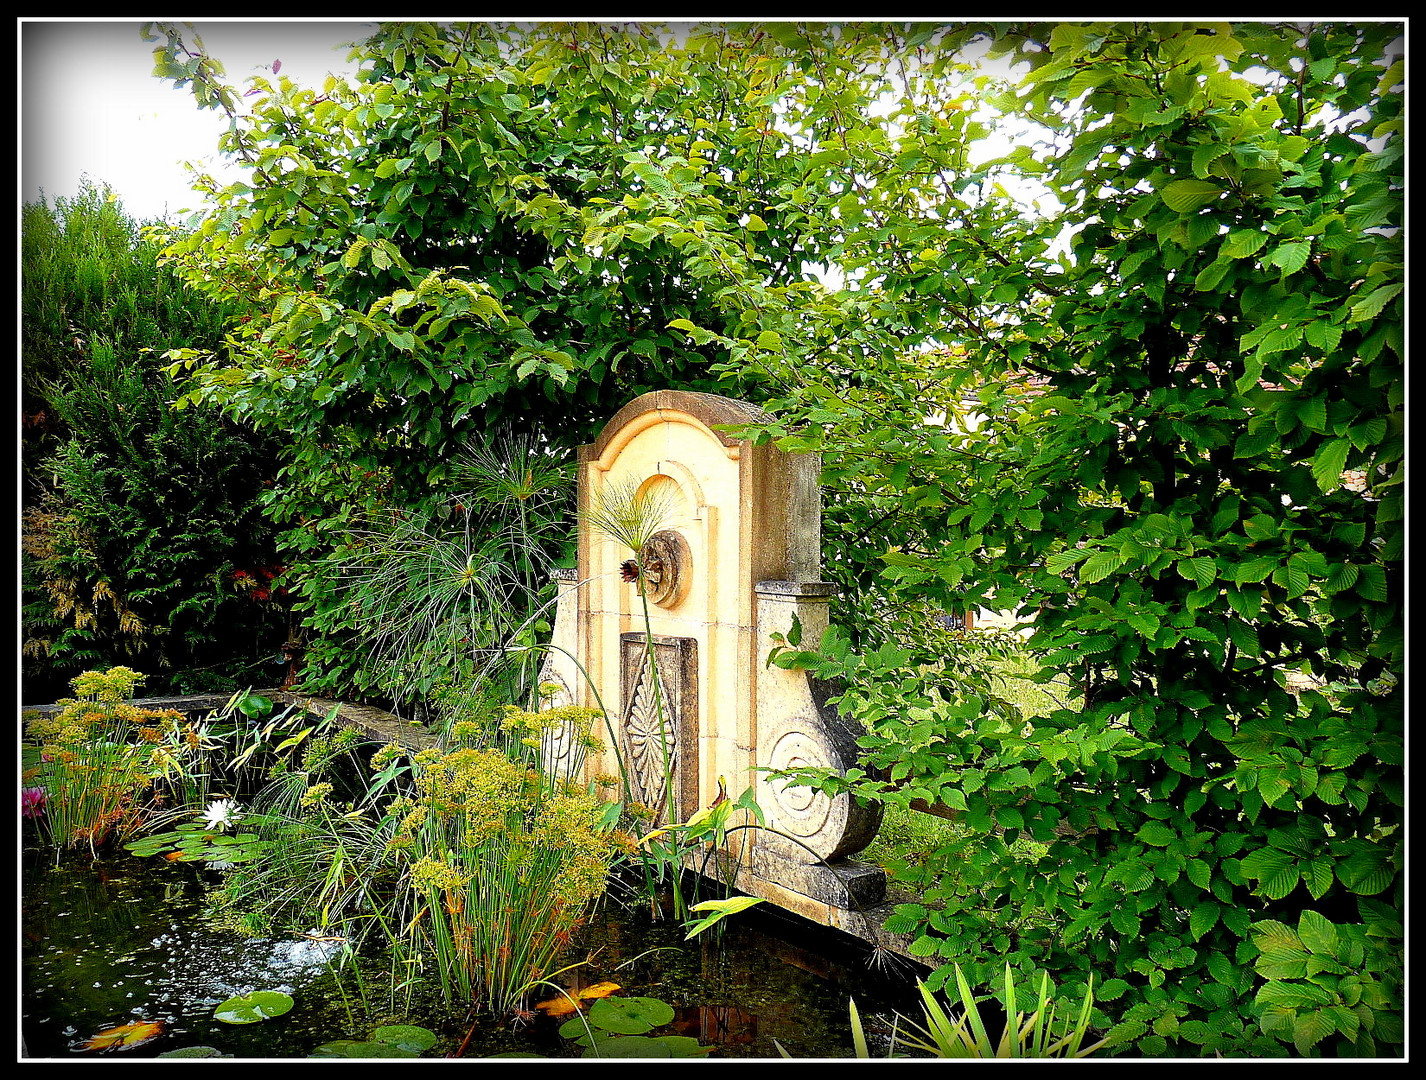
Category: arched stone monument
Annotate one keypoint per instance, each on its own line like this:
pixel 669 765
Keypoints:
pixel 737 560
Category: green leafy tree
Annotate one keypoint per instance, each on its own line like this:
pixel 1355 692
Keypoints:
pixel 497 226
pixel 139 521
pixel 1188 475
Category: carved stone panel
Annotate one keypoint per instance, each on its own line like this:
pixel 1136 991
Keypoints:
pixel 659 726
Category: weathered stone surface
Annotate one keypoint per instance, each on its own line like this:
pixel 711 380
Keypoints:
pixel 378 723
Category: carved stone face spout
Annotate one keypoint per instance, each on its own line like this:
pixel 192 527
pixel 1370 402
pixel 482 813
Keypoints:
pixel 667 568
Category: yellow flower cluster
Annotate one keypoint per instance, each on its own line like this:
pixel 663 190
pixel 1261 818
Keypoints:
pixel 387 754
pixel 566 823
pixel 428 874
pixel 475 791
pixel 107 687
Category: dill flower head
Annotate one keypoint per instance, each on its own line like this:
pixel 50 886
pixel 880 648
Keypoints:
pixel 466 731
pixel 109 687
pixel 429 875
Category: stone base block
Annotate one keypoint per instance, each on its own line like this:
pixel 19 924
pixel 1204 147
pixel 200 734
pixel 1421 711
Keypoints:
pixel 842 883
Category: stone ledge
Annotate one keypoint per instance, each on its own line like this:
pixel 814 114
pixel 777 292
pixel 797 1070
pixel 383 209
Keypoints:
pixel 378 723
pixel 796 588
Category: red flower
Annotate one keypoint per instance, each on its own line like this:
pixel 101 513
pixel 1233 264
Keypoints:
pixel 629 570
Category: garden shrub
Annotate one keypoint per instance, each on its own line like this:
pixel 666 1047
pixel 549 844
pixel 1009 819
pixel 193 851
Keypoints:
pixel 141 523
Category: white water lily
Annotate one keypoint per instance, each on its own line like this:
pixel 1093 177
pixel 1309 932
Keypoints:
pixel 221 814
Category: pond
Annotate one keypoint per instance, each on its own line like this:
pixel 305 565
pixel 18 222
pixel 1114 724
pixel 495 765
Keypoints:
pixel 120 940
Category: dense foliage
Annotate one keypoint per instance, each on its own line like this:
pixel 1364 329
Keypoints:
pixel 142 536
pixel 1187 476
pixel 1126 403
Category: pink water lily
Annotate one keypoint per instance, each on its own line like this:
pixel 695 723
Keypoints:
pixel 32 801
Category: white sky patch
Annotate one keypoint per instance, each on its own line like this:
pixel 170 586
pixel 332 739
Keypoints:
pixel 91 107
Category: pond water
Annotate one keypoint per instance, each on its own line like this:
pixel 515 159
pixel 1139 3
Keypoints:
pixel 107 942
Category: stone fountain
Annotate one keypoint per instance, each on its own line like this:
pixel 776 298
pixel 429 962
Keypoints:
pixel 738 561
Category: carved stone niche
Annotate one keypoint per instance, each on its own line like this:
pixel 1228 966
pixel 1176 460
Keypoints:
pixel 810 838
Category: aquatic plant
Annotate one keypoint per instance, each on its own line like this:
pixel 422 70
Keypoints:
pixel 387 1041
pixel 32 801
pixel 254 1007
pixel 500 871
pixel 1043 1034
pixel 433 598
pixel 618 1027
pixel 305 859
pixel 222 815
pixel 107 766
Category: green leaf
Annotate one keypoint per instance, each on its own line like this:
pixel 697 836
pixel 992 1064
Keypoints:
pixel 1201 570
pixel 1186 196
pixel 1290 257
pixel 629 1016
pixel 1100 565
pixel 720 909
pixel 1329 462
pixel 1317 933
pixel 1061 561
pixel 1241 243
pixel 1156 833
pixel 1369 307
pixel 1276 872
pixel 406 1036
pixel 1202 919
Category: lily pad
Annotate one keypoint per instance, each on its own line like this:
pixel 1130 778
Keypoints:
pixel 250 1008
pixel 389 1041
pixel 194 1052
pixel 629 1046
pixel 630 1016
pixel 406 1036
pixel 350 1048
